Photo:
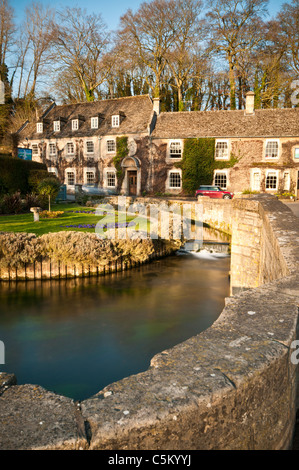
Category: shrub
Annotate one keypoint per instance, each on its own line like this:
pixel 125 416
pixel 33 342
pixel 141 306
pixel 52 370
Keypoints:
pixel 15 173
pixel 51 214
pixel 12 204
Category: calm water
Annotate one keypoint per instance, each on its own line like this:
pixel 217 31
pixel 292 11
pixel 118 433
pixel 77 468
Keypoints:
pixel 77 336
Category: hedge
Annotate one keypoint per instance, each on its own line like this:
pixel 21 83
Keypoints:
pixel 15 174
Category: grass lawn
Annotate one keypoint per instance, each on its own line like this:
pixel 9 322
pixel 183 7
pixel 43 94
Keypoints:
pixel 25 223
pixel 75 218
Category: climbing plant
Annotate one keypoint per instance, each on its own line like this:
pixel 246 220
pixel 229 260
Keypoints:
pixel 122 151
pixel 198 163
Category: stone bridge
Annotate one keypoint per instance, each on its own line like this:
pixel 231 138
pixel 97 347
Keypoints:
pixel 231 387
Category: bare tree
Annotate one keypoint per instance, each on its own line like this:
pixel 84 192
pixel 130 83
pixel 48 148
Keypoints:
pixel 81 44
pixel 33 55
pixel 289 21
pixel 185 51
pixel 150 33
pixel 6 32
pixel 235 28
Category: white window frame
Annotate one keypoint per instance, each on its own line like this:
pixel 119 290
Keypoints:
pixel 75 124
pixel 221 172
pixel 177 144
pixel 277 180
pixel 94 123
pixel 255 171
pixel 67 148
pixel 35 147
pixel 296 148
pixel 268 141
pixel 86 145
pixel 67 171
pixel 51 154
pixel 115 120
pixel 89 170
pixel 108 141
pixel 56 126
pixel 109 171
pixel 173 172
pixel 222 141
pixel 39 128
pixel 53 170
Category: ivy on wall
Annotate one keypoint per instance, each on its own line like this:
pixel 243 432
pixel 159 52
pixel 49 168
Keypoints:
pixel 198 163
pixel 122 151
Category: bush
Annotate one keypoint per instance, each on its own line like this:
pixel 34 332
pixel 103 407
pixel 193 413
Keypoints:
pixel 12 204
pixel 50 215
pixel 15 174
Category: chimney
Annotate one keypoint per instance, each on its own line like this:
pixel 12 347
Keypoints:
pixel 156 105
pixel 249 109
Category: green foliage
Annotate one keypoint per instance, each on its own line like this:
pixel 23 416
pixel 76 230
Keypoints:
pixel 36 177
pixel 198 163
pixel 15 174
pixel 49 188
pixel 122 151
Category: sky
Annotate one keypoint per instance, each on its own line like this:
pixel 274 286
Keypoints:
pixel 110 10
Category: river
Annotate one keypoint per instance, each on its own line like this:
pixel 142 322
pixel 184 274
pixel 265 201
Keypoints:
pixel 75 337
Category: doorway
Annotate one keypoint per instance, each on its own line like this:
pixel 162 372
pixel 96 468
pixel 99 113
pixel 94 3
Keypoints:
pixel 132 181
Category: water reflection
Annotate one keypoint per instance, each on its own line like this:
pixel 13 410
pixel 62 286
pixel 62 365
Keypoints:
pixel 77 336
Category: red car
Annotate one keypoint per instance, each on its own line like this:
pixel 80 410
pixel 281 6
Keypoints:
pixel 213 192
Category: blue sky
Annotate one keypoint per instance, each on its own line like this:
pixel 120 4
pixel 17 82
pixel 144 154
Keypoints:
pixel 110 10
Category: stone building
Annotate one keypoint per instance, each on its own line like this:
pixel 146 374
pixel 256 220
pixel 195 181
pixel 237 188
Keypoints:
pixel 79 144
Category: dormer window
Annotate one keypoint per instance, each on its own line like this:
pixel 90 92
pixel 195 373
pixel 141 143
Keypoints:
pixel 115 120
pixel 56 126
pixel 75 124
pixel 39 127
pixel 94 123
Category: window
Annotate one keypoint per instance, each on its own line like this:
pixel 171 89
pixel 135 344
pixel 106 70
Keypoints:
pixel 70 178
pixel 115 121
pixel 175 150
pixel 272 149
pixel 174 180
pixel 271 180
pixel 296 153
pixel 56 126
pixel 90 177
pixel 75 124
pixel 221 150
pixel 34 149
pixel 286 181
pixel 220 180
pixel 39 127
pixel 111 146
pixel 52 149
pixel 70 148
pixel 94 123
pixel 256 181
pixel 53 172
pixel 90 146
pixel 111 179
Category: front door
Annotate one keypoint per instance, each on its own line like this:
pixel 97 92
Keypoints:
pixel 132 177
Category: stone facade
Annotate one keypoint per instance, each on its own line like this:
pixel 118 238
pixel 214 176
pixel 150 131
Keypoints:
pixel 264 144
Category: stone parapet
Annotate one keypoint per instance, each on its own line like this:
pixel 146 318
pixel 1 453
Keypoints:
pixel 232 387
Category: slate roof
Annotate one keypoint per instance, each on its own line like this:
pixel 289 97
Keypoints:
pixel 136 113
pixel 227 124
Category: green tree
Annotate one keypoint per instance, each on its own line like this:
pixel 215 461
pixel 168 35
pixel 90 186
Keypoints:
pixel 49 188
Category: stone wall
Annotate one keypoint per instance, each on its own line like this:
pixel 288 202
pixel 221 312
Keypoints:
pixel 231 387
